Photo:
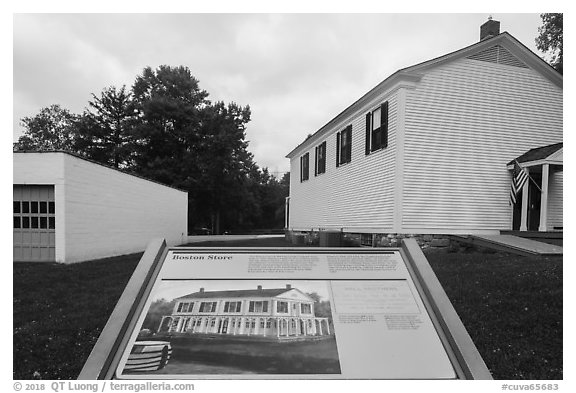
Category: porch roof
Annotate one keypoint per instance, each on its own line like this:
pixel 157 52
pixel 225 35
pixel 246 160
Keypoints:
pixel 551 154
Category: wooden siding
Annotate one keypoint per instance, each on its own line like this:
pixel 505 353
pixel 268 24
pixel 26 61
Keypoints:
pixel 112 213
pixel 555 200
pixel 357 196
pixel 463 123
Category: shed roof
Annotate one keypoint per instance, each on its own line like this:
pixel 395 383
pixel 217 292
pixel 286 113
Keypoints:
pixel 76 155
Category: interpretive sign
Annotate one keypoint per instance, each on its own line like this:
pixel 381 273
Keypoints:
pixel 285 313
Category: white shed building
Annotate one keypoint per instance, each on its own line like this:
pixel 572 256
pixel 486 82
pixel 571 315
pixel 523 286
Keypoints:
pixel 427 150
pixel 68 209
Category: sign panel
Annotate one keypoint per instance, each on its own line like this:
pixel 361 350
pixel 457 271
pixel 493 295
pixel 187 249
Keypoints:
pixel 280 314
pixel 285 314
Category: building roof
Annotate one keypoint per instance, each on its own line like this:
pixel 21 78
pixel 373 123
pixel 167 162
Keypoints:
pixel 539 153
pixel 414 73
pixel 97 163
pixel 240 293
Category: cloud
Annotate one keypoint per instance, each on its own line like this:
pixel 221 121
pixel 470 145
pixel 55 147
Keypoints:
pixel 296 71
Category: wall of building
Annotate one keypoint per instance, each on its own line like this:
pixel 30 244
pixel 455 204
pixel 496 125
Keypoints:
pixel 463 123
pixel 356 196
pixel 44 169
pixel 109 213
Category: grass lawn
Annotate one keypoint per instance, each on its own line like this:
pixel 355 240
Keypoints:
pixel 217 355
pixel 510 305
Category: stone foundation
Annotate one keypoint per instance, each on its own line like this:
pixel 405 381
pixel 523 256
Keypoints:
pixel 312 238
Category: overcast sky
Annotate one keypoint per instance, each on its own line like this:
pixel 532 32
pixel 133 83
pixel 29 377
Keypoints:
pixel 296 71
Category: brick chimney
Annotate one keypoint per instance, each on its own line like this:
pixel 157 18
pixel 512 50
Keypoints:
pixel 259 287
pixel 201 290
pixel 288 286
pixel 489 29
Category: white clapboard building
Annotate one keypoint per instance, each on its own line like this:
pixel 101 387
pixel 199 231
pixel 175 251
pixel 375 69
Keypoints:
pixel 68 209
pixel 431 149
pixel 274 313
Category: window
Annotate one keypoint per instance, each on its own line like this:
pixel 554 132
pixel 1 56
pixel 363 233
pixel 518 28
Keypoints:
pixel 305 309
pixel 185 307
pixel 282 307
pixel 304 167
pixel 256 306
pixel 207 307
pixel 344 146
pixel 377 129
pixel 320 160
pixel 262 324
pixel 232 306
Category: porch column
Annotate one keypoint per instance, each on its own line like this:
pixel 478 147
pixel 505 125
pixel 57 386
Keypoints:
pixel 544 198
pixel 524 216
pixel 278 327
pixel 161 322
pixel 328 326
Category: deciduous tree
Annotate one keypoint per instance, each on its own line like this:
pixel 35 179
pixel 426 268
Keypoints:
pixel 53 128
pixel 550 39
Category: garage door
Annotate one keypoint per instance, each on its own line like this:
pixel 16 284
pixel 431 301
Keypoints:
pixel 34 223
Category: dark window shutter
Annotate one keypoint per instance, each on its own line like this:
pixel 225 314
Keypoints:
pixel 337 150
pixel 384 124
pixel 349 147
pixel 368 132
pixel 316 163
pixel 301 169
pixel 323 157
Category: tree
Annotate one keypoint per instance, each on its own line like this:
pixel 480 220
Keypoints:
pixel 184 140
pixel 226 167
pixel 105 129
pixel 550 39
pixel 54 128
pixel 168 103
pixel 157 310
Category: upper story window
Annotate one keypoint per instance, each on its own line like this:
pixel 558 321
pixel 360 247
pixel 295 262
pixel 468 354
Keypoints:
pixel 185 307
pixel 304 167
pixel 208 306
pixel 320 161
pixel 377 129
pixel 305 308
pixel 232 306
pixel 344 146
pixel 282 307
pixel 257 306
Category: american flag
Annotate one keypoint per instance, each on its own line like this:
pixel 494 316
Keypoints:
pixel 519 177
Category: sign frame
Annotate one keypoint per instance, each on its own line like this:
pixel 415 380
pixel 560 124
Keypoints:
pixel 105 357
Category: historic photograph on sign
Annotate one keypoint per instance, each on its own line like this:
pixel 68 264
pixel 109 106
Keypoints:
pixel 203 327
